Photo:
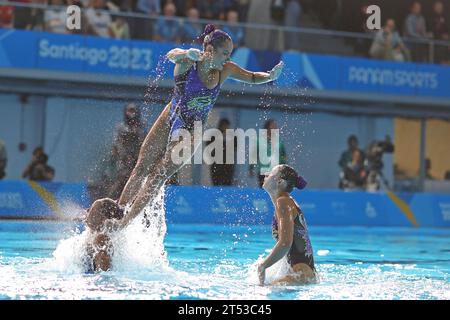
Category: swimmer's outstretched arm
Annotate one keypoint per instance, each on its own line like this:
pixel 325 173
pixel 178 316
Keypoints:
pixel 284 243
pixel 236 72
pixel 178 55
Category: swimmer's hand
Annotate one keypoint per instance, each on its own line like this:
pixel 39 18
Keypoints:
pixel 194 54
pixel 276 71
pixel 261 274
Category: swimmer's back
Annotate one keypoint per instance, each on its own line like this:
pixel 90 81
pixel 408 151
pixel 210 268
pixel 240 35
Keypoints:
pixel 301 250
pixel 98 254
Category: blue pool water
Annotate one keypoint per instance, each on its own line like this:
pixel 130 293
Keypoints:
pixel 217 262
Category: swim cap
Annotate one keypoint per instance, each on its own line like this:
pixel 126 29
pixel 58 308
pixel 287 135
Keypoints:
pixel 300 183
pixel 213 36
pixel 205 36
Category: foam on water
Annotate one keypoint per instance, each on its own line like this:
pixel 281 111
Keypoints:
pixel 229 276
pixel 138 248
pixel 280 269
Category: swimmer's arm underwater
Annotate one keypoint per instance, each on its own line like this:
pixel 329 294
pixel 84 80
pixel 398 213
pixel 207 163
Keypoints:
pixel 235 72
pixel 284 243
pixel 103 251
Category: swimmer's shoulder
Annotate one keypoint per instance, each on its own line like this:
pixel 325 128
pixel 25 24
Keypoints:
pixel 288 204
pixel 229 68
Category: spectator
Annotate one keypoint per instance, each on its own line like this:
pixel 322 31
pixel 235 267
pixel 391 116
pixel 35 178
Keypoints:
pixel 388 45
pixel 210 9
pixel 292 19
pixel 438 25
pixel 3 159
pixel 222 174
pixel 278 14
pixel 167 28
pixel 440 30
pixel 242 7
pixel 236 32
pixel 78 3
pixel 428 174
pixel 415 27
pixel 355 173
pixel 143 28
pixel 6 16
pixel 447 175
pixel 278 10
pixel 123 5
pixel 182 6
pixel 192 28
pixel 326 11
pixel 149 7
pixel 119 28
pixel 38 169
pixel 258 13
pixel 36 17
pixel 99 22
pixel 347 155
pixel 22 15
pixel 399 174
pixel 55 18
pixel 265 168
pixel 129 137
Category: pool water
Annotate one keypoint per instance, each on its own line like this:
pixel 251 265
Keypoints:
pixel 218 262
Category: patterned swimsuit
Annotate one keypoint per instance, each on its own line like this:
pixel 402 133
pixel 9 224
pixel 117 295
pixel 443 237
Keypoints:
pixel 191 101
pixel 301 250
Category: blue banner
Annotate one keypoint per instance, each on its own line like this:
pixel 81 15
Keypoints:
pixel 77 53
pixel 236 206
pixel 32 200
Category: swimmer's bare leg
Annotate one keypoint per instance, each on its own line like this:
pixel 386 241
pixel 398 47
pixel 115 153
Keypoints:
pixel 151 152
pixel 163 171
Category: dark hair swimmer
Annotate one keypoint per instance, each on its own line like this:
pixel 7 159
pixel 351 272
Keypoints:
pixel 288 228
pixel 99 249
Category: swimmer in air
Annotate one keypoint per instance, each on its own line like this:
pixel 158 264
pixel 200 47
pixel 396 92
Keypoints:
pixel 198 79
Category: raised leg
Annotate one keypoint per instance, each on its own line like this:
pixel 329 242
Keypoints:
pixel 151 152
pixel 163 171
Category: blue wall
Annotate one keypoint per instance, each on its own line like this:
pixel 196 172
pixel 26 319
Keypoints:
pixel 238 206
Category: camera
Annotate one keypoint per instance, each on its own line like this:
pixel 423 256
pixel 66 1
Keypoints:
pixel 374 162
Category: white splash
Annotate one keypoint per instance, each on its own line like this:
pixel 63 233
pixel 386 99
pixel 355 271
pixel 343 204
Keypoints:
pixel 279 270
pixel 138 248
